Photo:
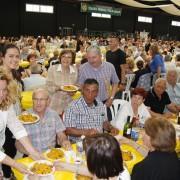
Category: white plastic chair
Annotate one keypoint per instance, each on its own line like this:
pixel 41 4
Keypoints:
pixel 115 107
pixel 126 95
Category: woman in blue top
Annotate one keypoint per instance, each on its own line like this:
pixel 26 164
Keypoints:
pixel 157 63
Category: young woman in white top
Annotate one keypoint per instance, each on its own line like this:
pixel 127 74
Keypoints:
pixel 8 119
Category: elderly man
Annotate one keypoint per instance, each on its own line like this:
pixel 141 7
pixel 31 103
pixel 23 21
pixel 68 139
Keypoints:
pixel 157 99
pixel 35 80
pixel 173 88
pixel 103 72
pixel 43 134
pixel 87 115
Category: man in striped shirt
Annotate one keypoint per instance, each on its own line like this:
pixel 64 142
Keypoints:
pixel 103 72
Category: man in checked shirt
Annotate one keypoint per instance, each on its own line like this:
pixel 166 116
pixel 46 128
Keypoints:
pixel 49 130
pixel 87 115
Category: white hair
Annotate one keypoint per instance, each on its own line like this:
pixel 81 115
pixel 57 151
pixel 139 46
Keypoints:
pixel 94 49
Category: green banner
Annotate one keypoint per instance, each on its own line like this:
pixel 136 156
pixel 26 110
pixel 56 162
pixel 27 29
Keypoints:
pixel 100 9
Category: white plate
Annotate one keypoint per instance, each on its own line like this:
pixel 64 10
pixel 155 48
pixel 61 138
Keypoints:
pixel 50 177
pixel 44 162
pixel 75 88
pixel 45 154
pixel 29 122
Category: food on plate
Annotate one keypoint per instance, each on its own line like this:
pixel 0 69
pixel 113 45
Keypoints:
pixel 127 155
pixel 55 154
pixel 28 118
pixel 69 88
pixel 41 168
pixel 81 177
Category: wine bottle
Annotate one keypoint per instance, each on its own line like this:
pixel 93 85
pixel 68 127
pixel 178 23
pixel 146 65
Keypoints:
pixel 127 128
pixel 178 118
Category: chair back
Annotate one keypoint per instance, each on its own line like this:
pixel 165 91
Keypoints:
pixel 115 107
pixel 145 81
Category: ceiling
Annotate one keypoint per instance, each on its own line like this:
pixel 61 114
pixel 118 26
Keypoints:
pixel 169 6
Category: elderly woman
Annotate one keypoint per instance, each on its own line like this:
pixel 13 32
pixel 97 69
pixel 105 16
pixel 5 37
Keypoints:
pixel 61 74
pixel 135 109
pixel 9 119
pixel 161 162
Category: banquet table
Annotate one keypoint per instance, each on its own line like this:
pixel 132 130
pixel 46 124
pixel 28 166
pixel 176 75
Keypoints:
pixel 137 156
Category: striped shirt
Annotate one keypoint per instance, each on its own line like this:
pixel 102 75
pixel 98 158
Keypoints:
pixel 43 133
pixel 105 75
pixel 81 116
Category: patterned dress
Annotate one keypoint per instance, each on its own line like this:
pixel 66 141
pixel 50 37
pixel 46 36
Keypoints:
pixel 55 79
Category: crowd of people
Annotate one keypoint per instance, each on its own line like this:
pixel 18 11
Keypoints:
pixel 99 68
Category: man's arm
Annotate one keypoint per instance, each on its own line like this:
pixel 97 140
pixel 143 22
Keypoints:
pixel 79 132
pixel 172 107
pixel 164 115
pixel 109 128
pixel 63 141
pixel 122 75
pixel 113 92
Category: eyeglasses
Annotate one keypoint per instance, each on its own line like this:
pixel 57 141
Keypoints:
pixel 40 99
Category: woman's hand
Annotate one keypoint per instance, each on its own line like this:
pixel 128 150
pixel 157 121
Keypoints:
pixel 22 168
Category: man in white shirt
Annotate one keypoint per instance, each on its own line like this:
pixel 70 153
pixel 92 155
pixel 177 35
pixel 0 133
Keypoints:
pixel 35 80
pixel 173 88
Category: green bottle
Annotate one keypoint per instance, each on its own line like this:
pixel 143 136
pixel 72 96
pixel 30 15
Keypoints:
pixel 127 128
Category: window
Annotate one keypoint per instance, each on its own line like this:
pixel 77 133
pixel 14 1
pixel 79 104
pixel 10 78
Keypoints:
pixel 101 15
pixel 144 19
pixel 175 23
pixel 46 9
pixel 39 8
pixel 32 8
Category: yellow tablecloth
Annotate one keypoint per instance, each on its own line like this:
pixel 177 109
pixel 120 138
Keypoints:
pixel 26 101
pixel 64 175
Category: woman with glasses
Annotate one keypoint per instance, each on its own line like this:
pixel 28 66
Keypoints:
pixel 61 74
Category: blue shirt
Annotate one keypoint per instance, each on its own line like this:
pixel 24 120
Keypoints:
pixel 157 61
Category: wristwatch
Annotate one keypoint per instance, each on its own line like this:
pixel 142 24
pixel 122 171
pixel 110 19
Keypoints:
pixel 111 97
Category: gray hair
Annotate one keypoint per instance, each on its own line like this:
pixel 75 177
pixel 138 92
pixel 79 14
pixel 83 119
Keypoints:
pixel 95 49
pixel 41 90
pixel 36 69
pixel 172 70
pixel 160 80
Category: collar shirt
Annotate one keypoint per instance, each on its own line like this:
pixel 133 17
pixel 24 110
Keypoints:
pixel 81 116
pixel 33 82
pixel 43 133
pixel 174 93
pixel 105 75
pixel 157 105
